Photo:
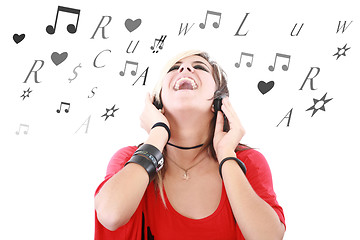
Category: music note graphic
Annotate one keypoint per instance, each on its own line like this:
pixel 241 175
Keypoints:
pixel 25 131
pixel 71 28
pixel 159 45
pixel 133 72
pixel 284 67
pixel 61 104
pixel 215 24
pixel 248 64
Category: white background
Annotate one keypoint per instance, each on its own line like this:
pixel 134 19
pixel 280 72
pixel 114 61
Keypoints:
pixel 48 177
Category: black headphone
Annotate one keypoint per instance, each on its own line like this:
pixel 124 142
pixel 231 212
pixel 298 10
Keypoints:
pixel 217 107
pixel 216 104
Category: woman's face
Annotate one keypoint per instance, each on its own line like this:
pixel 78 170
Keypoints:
pixel 189 84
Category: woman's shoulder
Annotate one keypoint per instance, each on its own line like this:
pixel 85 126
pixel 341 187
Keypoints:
pixel 252 157
pixel 125 152
pixel 245 151
pixel 119 159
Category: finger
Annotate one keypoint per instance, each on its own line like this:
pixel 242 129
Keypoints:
pixel 149 98
pixel 234 121
pixel 228 104
pixel 231 116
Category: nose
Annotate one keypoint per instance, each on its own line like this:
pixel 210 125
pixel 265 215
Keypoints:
pixel 185 67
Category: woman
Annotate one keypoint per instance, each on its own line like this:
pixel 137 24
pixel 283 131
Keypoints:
pixel 207 186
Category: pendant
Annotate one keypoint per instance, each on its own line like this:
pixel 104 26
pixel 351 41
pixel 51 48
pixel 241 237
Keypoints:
pixel 186 176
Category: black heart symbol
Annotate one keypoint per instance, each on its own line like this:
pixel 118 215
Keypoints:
pixel 265 87
pixel 58 58
pixel 132 25
pixel 18 38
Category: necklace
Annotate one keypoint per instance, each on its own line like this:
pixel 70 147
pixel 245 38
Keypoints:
pixel 185 148
pixel 186 174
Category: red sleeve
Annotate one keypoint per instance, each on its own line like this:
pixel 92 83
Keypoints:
pixel 119 159
pixel 132 229
pixel 259 176
pixel 116 163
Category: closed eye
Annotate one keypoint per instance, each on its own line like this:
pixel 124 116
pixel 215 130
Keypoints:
pixel 173 68
pixel 201 68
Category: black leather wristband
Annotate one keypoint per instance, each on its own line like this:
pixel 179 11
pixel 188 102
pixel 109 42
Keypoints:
pixel 158 165
pixel 146 163
pixel 161 124
pixel 239 162
pixel 154 152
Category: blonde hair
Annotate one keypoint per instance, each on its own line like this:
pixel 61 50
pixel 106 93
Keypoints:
pixel 220 79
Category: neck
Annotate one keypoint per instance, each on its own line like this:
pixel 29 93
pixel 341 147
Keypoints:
pixel 185 148
pixel 187 130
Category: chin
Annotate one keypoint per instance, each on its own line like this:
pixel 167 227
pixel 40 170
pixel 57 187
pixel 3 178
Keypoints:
pixel 186 100
pixel 191 107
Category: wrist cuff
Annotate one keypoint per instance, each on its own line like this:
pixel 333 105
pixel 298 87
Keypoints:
pixel 145 163
pixel 161 124
pixel 150 158
pixel 239 162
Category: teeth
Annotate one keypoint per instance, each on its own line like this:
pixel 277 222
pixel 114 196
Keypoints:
pixel 181 80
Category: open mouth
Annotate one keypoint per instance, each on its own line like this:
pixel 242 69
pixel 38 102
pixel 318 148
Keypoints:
pixel 185 84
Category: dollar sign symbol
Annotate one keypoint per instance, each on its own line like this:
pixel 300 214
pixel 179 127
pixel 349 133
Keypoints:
pixel 74 71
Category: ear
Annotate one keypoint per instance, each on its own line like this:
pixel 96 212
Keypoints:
pixel 212 108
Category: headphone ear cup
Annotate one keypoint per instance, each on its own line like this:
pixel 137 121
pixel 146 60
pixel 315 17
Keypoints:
pixel 217 107
pixel 160 100
pixel 217 104
pixel 158 103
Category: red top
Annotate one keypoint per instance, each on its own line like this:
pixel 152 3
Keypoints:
pixel 152 220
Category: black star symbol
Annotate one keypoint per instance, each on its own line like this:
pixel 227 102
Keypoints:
pixel 26 93
pixel 111 110
pixel 343 50
pixel 322 107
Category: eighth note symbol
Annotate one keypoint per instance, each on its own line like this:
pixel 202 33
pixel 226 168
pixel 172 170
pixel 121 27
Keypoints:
pixel 133 72
pixel 25 131
pixel 215 24
pixel 248 64
pixel 71 28
pixel 284 67
pixel 66 110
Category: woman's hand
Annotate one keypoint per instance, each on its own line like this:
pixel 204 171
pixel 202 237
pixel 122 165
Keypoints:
pixel 226 142
pixel 151 115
